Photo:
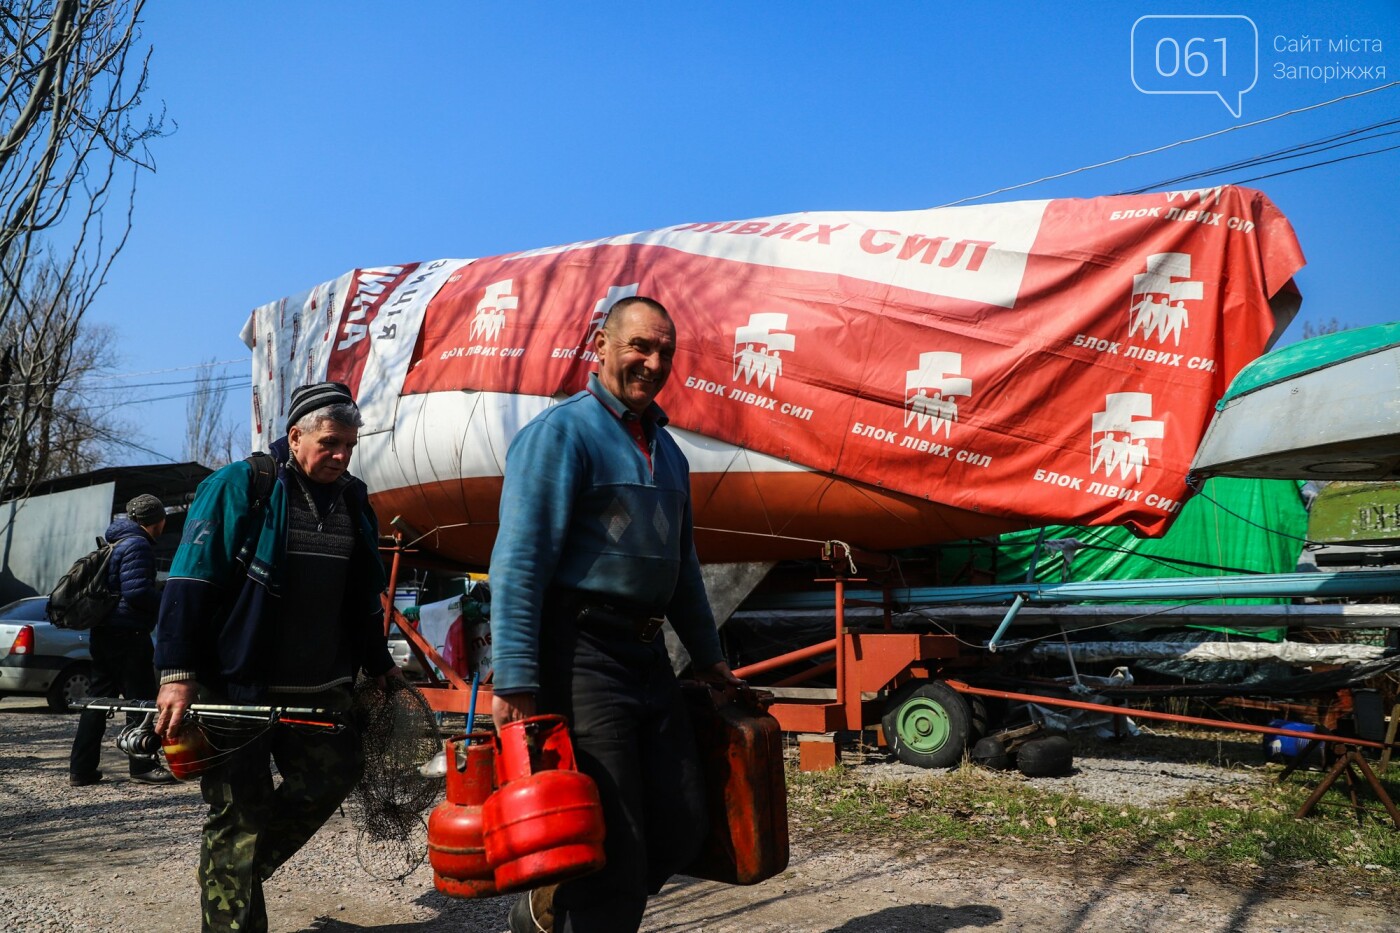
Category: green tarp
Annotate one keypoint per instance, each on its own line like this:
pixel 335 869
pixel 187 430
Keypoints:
pixel 1234 526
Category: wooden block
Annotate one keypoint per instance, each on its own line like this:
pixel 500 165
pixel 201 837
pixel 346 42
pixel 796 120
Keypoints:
pixel 817 751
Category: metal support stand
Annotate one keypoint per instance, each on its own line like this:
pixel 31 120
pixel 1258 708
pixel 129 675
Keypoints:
pixel 1350 758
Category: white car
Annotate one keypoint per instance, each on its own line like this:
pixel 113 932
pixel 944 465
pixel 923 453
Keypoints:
pixel 39 659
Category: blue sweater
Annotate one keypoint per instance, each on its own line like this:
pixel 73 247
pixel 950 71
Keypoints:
pixel 582 509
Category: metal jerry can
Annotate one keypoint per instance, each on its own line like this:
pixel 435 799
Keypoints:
pixel 741 758
pixel 456 832
pixel 544 823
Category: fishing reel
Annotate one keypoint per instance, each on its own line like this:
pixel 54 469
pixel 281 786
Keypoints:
pixel 140 739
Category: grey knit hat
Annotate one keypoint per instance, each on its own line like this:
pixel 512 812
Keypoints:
pixel 145 509
pixel 306 399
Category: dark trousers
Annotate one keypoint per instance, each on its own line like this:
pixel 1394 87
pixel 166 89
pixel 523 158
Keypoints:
pixel 253 827
pixel 632 736
pixel 122 666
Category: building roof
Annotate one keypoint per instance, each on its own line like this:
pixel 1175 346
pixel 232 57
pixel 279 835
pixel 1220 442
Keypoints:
pixel 172 483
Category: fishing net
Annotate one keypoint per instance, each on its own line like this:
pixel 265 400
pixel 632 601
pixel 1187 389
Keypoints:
pixel 399 734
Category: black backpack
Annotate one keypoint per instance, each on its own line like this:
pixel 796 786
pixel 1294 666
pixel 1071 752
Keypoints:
pixel 82 598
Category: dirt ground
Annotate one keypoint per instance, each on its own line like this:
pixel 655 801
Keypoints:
pixel 120 857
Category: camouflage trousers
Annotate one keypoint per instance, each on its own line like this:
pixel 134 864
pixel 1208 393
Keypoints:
pixel 254 826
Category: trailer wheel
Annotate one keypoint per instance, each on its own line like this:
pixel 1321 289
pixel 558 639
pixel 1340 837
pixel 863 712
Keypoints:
pixel 927 723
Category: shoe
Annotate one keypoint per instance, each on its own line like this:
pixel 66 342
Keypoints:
pixel 154 776
pixel 83 780
pixel 533 912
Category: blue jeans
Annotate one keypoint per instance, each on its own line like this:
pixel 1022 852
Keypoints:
pixel 633 737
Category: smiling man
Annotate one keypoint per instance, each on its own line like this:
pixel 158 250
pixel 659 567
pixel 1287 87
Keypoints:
pixel 595 549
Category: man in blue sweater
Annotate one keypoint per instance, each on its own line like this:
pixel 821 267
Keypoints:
pixel 595 549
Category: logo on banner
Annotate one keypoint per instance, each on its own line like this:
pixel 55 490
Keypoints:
pixel 1120 434
pixel 600 310
pixel 759 347
pixel 1158 305
pixel 930 390
pixel 490 317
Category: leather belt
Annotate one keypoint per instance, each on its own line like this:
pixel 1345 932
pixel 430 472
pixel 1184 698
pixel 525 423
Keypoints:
pixel 598 615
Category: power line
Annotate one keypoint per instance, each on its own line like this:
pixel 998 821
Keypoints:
pixel 1300 168
pixel 1292 152
pixel 179 369
pixel 1183 142
pixel 165 398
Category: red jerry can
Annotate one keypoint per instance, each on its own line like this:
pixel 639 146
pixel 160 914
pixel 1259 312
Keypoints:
pixel 456 843
pixel 741 760
pixel 544 824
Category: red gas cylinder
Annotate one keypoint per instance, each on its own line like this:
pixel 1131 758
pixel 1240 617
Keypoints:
pixel 189 753
pixel 456 848
pixel 544 825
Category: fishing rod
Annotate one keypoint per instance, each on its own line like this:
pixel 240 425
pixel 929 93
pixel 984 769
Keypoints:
pixel 192 751
pixel 272 715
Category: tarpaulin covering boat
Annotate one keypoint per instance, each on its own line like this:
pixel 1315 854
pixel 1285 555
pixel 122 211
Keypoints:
pixel 886 379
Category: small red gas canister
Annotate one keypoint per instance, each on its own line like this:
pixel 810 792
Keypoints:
pixel 456 836
pixel 544 824
pixel 189 753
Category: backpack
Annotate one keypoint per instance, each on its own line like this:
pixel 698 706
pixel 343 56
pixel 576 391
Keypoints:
pixel 82 598
pixel 264 476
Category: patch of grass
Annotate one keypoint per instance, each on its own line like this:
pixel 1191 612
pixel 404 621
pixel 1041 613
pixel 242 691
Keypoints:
pixel 1241 830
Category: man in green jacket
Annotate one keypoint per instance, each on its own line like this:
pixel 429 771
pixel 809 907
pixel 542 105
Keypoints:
pixel 274 602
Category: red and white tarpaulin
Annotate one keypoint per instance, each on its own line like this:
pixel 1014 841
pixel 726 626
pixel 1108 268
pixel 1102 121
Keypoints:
pixel 1041 361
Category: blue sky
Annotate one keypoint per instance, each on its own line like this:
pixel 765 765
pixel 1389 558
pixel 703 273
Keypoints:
pixel 316 137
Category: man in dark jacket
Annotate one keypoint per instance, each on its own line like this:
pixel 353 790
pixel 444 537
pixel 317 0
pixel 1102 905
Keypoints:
pixel 274 600
pixel 121 644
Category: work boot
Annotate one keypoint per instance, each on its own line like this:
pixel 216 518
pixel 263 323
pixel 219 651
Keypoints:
pixel 154 776
pixel 83 780
pixel 533 911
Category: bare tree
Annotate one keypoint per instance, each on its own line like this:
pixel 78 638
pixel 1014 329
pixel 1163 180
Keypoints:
pixel 210 439
pixel 73 138
pixel 48 419
pixel 1330 326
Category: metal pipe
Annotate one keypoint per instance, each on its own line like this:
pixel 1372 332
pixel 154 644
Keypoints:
pixel 840 637
pixel 826 667
pixel 1006 621
pixel 783 660
pixel 1264 585
pixel 1166 717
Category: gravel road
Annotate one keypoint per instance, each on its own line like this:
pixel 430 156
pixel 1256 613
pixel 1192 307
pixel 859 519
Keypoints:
pixel 120 856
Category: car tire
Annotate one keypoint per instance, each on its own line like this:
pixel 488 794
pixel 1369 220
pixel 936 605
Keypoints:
pixel 1048 757
pixel 73 683
pixel 991 753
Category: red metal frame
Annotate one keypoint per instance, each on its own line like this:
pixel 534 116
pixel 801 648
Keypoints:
pixel 864 662
pixel 448 693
